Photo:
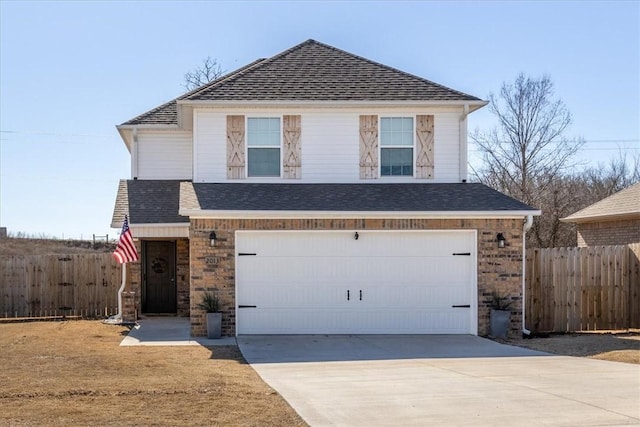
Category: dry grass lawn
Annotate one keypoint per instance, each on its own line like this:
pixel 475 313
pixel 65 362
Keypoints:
pixel 615 347
pixel 75 373
pixel 24 246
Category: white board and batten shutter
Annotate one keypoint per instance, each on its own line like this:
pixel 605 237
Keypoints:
pixel 292 152
pixel 369 147
pixel 424 146
pixel 235 147
pixel 327 282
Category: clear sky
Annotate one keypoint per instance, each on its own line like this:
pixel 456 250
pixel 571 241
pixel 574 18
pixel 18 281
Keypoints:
pixel 71 71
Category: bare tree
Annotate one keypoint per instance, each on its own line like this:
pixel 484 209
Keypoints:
pixel 526 154
pixel 208 71
pixel 527 150
pixel 606 179
pixel 564 195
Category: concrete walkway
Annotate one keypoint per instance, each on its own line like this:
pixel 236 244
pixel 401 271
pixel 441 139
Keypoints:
pixel 441 380
pixel 168 331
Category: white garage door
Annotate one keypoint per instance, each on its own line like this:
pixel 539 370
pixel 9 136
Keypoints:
pixel 328 282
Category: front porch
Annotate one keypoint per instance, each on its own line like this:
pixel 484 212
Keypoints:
pixel 159 283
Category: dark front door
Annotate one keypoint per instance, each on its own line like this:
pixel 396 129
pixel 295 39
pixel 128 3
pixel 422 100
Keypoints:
pixel 159 277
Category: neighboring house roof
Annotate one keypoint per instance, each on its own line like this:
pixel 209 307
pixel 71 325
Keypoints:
pixel 623 204
pixel 160 201
pixel 310 71
pixel 148 202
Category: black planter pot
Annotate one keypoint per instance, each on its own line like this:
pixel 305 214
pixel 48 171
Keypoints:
pixel 499 323
pixel 214 325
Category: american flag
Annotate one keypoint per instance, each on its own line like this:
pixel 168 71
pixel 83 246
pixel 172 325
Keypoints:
pixel 125 250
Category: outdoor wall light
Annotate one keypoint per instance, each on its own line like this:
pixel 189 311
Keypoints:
pixel 356 236
pixel 500 238
pixel 212 238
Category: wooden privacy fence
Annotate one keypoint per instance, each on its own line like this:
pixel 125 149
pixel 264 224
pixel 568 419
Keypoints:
pixel 52 285
pixel 583 289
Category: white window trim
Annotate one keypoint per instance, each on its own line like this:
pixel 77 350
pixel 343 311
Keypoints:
pixel 280 147
pixel 413 147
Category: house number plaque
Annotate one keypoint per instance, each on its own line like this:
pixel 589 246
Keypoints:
pixel 211 260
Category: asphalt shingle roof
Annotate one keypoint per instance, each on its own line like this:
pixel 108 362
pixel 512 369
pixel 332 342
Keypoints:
pixel 166 114
pixel 623 203
pixel 314 71
pixel 310 71
pixel 396 197
pixel 148 202
pixel 158 201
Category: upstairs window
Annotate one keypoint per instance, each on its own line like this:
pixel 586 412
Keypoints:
pixel 396 146
pixel 263 146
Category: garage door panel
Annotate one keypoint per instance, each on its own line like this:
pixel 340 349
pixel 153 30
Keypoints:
pixel 300 270
pixel 273 321
pixel 410 281
pixel 418 297
pixel 373 297
pixel 409 322
pixel 294 297
pixel 307 270
pixel 369 243
pixel 307 321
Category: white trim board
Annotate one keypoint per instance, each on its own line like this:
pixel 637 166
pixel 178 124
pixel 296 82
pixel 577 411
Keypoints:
pixel 213 214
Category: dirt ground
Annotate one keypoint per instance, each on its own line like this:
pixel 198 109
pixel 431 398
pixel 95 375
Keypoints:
pixel 617 347
pixel 25 246
pixel 75 373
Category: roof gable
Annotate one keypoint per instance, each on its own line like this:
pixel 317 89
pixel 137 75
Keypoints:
pixel 310 71
pixel 624 203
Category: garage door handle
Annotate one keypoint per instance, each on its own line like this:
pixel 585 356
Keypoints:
pixel 348 295
pixel 462 253
pixel 246 254
pixel 246 306
pixel 462 306
pixel 360 294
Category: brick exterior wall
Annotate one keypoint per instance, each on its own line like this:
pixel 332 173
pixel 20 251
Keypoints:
pixel 621 232
pixel 182 277
pixel 133 289
pixel 133 308
pixel 499 269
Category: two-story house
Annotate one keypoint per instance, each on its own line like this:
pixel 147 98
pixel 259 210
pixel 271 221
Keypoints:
pixel 318 192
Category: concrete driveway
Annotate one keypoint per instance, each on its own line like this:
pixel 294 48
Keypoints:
pixel 440 380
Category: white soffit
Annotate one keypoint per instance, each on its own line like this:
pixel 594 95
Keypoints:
pixel 159 230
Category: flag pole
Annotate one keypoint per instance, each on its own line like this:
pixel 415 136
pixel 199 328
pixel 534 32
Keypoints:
pixel 124 282
pixel 117 318
pixel 125 252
